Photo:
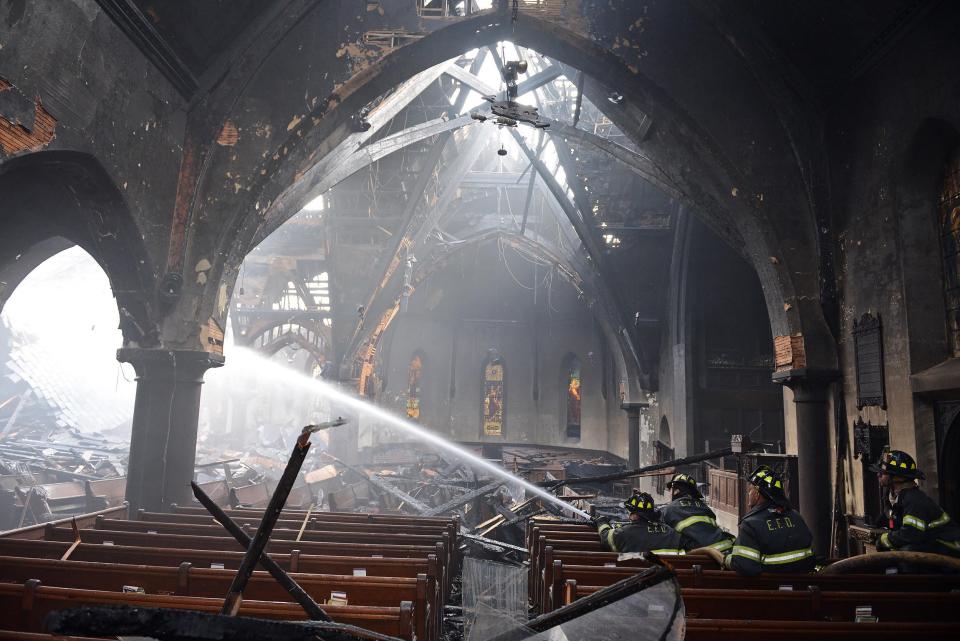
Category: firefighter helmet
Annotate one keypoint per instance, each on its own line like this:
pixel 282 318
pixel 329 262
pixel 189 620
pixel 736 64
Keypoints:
pixel 683 481
pixel 640 502
pixel 897 463
pixel 769 483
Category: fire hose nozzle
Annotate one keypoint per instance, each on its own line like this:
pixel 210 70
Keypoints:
pixel 319 427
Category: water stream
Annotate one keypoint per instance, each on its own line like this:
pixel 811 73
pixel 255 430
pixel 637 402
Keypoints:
pixel 255 363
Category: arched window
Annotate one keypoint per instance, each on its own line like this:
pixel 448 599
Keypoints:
pixel 413 386
pixel 950 244
pixel 494 400
pixel 572 396
pixel 663 451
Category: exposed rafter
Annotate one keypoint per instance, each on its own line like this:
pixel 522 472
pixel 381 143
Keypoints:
pixel 532 83
pixel 407 228
pixel 637 163
pixel 413 238
pixel 594 252
pixel 315 179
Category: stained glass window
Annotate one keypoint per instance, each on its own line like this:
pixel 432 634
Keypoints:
pixel 573 397
pixel 413 387
pixel 493 398
pixel 950 244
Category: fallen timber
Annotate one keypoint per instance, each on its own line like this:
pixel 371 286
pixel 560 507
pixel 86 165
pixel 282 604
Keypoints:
pixel 381 484
pixel 271 515
pixel 313 610
pixel 640 471
pixel 181 625
pixel 462 499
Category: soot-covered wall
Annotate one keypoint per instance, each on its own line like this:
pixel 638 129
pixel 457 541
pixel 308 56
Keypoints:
pixel 716 356
pixel 892 135
pixel 489 300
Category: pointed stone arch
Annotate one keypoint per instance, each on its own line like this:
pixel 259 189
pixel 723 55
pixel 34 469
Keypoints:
pixel 55 199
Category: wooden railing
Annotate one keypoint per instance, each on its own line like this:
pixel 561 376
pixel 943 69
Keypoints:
pixel 724 490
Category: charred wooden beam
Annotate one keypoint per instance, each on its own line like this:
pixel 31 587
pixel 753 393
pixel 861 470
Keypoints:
pixel 187 625
pixel 641 471
pixel 497 544
pixel 381 484
pixel 231 604
pixel 313 610
pixel 454 503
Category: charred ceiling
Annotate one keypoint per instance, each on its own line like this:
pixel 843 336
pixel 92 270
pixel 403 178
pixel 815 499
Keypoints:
pixel 717 107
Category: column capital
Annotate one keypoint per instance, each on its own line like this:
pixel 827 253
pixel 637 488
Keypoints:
pixel 633 406
pixel 808 385
pixel 170 365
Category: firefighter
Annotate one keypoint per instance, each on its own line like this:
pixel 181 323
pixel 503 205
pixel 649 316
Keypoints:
pixel 645 532
pixel 773 537
pixel 689 515
pixel 917 523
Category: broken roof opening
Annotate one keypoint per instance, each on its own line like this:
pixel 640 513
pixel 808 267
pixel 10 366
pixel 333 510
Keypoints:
pixel 61 329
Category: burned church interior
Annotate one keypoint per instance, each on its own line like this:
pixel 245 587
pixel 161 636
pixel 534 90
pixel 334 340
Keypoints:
pixel 479 320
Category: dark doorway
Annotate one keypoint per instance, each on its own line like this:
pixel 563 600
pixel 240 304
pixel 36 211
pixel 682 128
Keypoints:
pixel 950 466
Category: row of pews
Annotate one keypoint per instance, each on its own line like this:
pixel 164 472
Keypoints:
pixel 567 562
pixel 387 573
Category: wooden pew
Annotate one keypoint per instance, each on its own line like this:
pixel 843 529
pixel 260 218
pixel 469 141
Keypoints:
pixel 255 495
pixel 397 519
pixel 568 535
pixel 736 630
pixel 543 551
pixel 84 521
pixel 396 537
pixel 105 493
pixel 313 523
pixel 611 559
pixel 218 491
pixel 327 536
pixel 308 536
pixel 727 630
pixel 173 557
pixel 12 635
pixel 541 565
pixel 23 607
pixel 186 580
pixel 226 543
pixel 724 580
pixel 69 496
pixel 804 605
pixel 176 541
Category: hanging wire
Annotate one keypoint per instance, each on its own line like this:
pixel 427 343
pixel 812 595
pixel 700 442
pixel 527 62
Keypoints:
pixel 506 265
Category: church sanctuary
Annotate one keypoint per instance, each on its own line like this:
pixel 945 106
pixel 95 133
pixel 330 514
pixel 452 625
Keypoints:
pixel 479 320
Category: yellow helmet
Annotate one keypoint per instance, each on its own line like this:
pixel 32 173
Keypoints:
pixel 769 483
pixel 640 502
pixel 897 463
pixel 684 481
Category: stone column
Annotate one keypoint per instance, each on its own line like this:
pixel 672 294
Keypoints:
pixel 633 433
pixel 163 442
pixel 815 486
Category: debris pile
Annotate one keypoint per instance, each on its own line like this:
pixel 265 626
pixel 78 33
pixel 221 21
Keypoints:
pixel 50 472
